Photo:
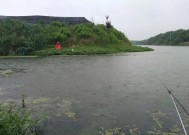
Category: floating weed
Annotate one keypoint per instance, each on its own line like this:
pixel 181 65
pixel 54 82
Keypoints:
pixel 134 130
pixel 10 72
pixel 157 122
pixel 174 131
pixel 64 104
pixel 61 106
pixel 1 91
pixel 45 106
pixel 40 100
pixel 158 130
pixel 155 132
pixel 58 114
pixel 114 131
pixel 67 103
pixel 155 116
pixel 6 73
pixel 71 115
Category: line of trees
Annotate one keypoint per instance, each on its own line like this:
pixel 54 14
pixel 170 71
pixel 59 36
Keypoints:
pixel 19 38
pixel 179 37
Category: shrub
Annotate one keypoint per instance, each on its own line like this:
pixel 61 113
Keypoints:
pixel 15 121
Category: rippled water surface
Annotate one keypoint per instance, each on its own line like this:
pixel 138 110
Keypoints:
pixel 90 95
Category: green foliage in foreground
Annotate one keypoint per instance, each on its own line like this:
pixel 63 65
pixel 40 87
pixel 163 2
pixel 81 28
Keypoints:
pixel 179 37
pixel 15 121
pixel 93 49
pixel 19 38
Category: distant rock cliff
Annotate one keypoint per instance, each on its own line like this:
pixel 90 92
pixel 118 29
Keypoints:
pixel 46 19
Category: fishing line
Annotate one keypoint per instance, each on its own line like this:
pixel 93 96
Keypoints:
pixel 170 92
pixel 178 115
pixel 173 100
pixel 173 97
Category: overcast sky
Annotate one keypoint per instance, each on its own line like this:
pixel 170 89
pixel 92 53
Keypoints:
pixel 138 19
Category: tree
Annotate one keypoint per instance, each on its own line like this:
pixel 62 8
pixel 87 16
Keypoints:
pixel 108 23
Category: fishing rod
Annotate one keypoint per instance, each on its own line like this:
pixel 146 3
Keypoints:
pixel 170 92
pixel 173 99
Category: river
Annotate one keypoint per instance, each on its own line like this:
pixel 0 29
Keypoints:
pixel 101 94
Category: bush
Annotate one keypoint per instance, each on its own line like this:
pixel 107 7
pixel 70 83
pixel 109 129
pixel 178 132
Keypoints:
pixel 15 121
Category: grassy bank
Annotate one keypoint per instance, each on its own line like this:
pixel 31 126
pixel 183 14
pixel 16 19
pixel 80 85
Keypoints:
pixel 92 50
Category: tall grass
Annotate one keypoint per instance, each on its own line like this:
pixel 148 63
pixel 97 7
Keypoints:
pixel 14 121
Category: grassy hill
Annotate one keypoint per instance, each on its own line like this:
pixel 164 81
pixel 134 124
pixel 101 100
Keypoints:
pixel 20 38
pixel 179 37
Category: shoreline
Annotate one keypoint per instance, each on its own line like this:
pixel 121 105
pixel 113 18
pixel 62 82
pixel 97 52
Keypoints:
pixel 93 50
pixel 85 51
pixel 32 56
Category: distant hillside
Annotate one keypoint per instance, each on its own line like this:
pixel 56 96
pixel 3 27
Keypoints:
pixel 46 19
pixel 179 37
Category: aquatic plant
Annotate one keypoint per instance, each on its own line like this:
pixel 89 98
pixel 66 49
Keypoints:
pixel 6 73
pixel 71 115
pixel 157 129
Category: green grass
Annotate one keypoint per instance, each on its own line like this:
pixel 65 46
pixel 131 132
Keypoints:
pixel 92 50
pixel 15 121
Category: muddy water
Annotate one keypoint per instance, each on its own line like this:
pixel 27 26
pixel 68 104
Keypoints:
pixel 109 94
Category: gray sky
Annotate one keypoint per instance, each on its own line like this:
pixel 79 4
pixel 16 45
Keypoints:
pixel 138 19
